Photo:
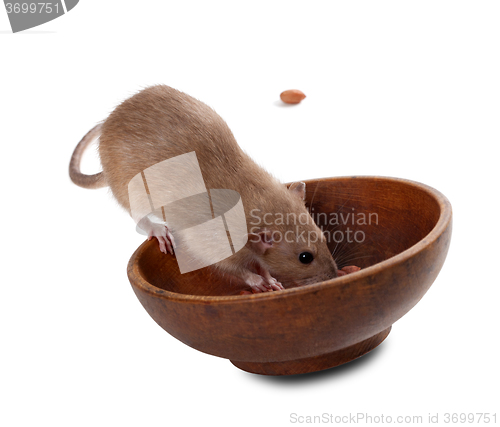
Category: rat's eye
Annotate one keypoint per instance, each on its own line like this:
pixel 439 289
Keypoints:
pixel 306 257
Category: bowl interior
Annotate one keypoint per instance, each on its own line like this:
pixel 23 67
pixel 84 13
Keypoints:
pixel 366 220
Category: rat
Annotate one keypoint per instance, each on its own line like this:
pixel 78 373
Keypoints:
pixel 160 123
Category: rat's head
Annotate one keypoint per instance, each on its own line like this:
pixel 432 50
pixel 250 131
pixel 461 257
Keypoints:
pixel 291 245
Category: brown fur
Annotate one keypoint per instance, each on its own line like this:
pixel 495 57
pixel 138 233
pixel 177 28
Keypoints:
pixel 159 123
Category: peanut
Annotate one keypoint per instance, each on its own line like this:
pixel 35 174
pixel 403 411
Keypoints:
pixel 292 96
pixel 350 269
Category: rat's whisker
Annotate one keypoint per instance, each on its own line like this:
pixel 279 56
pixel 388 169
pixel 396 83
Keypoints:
pixel 314 194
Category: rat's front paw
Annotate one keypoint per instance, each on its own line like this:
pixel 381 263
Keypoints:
pixel 263 284
pixel 164 236
pixel 277 286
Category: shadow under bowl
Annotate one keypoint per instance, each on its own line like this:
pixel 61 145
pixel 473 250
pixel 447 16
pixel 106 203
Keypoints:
pixel 397 231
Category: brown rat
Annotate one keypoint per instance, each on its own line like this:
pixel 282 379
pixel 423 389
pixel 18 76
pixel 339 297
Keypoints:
pixel 161 123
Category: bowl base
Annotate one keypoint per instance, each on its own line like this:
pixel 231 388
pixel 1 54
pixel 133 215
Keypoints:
pixel 316 363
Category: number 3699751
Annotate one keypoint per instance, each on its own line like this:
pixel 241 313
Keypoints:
pixel 32 7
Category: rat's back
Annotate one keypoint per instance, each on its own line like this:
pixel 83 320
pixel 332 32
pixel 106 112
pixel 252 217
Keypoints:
pixel 160 123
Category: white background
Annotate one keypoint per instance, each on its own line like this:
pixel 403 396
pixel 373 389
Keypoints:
pixel 394 88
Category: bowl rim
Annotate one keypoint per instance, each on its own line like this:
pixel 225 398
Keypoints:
pixel 441 225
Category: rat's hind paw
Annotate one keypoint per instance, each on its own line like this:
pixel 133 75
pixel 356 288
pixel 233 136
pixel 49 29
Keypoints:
pixel 164 236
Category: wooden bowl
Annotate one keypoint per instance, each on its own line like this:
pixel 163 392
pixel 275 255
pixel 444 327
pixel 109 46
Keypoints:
pixel 319 326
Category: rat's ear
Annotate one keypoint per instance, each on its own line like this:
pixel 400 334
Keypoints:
pixel 261 241
pixel 298 189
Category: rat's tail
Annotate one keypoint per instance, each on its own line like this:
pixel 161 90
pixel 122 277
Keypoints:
pixel 80 179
